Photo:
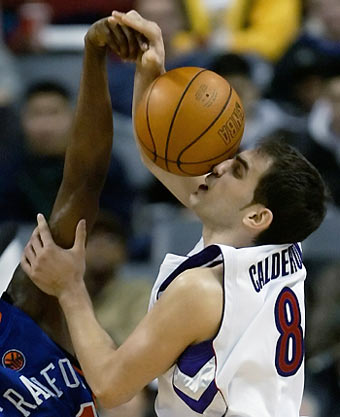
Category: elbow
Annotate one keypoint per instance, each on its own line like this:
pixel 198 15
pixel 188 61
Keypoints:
pixel 111 397
pixel 106 397
pixel 107 402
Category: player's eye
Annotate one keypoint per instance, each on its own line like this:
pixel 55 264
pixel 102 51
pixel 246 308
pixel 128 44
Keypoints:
pixel 237 169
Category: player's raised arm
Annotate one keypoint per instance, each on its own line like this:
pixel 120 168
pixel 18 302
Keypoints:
pixel 149 65
pixel 88 154
pixel 86 164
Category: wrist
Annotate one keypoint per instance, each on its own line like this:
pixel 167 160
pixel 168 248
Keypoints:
pixel 91 47
pixel 73 296
pixel 145 77
pixel 152 70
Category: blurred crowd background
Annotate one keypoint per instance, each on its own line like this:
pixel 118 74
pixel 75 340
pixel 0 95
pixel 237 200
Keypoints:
pixel 282 57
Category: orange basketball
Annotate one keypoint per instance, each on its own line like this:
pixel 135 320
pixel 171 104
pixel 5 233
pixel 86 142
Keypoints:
pixel 189 120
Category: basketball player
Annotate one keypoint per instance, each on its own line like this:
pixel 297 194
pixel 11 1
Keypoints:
pixel 38 376
pixel 225 329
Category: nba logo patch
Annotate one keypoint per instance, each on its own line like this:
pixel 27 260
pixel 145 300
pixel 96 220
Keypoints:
pixel 13 359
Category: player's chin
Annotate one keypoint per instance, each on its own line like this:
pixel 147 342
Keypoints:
pixel 195 199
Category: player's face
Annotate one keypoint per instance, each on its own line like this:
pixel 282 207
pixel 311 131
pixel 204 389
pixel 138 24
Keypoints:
pixel 227 192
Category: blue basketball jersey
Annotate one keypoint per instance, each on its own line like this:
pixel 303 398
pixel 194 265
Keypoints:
pixel 37 377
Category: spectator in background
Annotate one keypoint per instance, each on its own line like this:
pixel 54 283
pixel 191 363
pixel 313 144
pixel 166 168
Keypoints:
pixel 299 79
pixel 323 138
pixel 46 117
pixel 322 29
pixel 314 56
pixel 261 27
pixel 120 302
pixel 106 253
pixel 263 116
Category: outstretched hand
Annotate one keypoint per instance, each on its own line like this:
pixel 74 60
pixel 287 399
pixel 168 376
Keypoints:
pixel 148 34
pixel 54 270
pixel 121 40
pixel 131 37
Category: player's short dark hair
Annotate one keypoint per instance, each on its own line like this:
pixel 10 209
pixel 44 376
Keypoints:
pixel 292 188
pixel 46 86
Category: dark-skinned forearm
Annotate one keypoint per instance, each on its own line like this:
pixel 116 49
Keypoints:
pixel 87 161
pixel 89 150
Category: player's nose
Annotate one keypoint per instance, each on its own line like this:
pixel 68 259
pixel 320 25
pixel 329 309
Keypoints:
pixel 221 168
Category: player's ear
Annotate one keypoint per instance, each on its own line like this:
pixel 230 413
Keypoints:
pixel 258 218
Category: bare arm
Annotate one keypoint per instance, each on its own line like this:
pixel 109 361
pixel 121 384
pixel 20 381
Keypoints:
pixel 149 65
pixel 188 312
pixel 88 153
pixel 86 164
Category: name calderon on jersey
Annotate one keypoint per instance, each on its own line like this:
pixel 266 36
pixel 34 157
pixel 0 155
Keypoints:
pixel 283 263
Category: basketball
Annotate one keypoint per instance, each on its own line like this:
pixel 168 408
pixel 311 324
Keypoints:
pixel 188 120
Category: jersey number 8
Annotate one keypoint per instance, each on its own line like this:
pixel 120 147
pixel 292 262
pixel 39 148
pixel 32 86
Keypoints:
pixel 290 345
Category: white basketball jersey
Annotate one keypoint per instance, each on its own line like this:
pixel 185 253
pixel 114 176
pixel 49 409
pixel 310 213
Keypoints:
pixel 254 365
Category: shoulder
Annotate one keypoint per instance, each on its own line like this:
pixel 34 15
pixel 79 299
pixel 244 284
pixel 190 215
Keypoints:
pixel 200 280
pixel 198 293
